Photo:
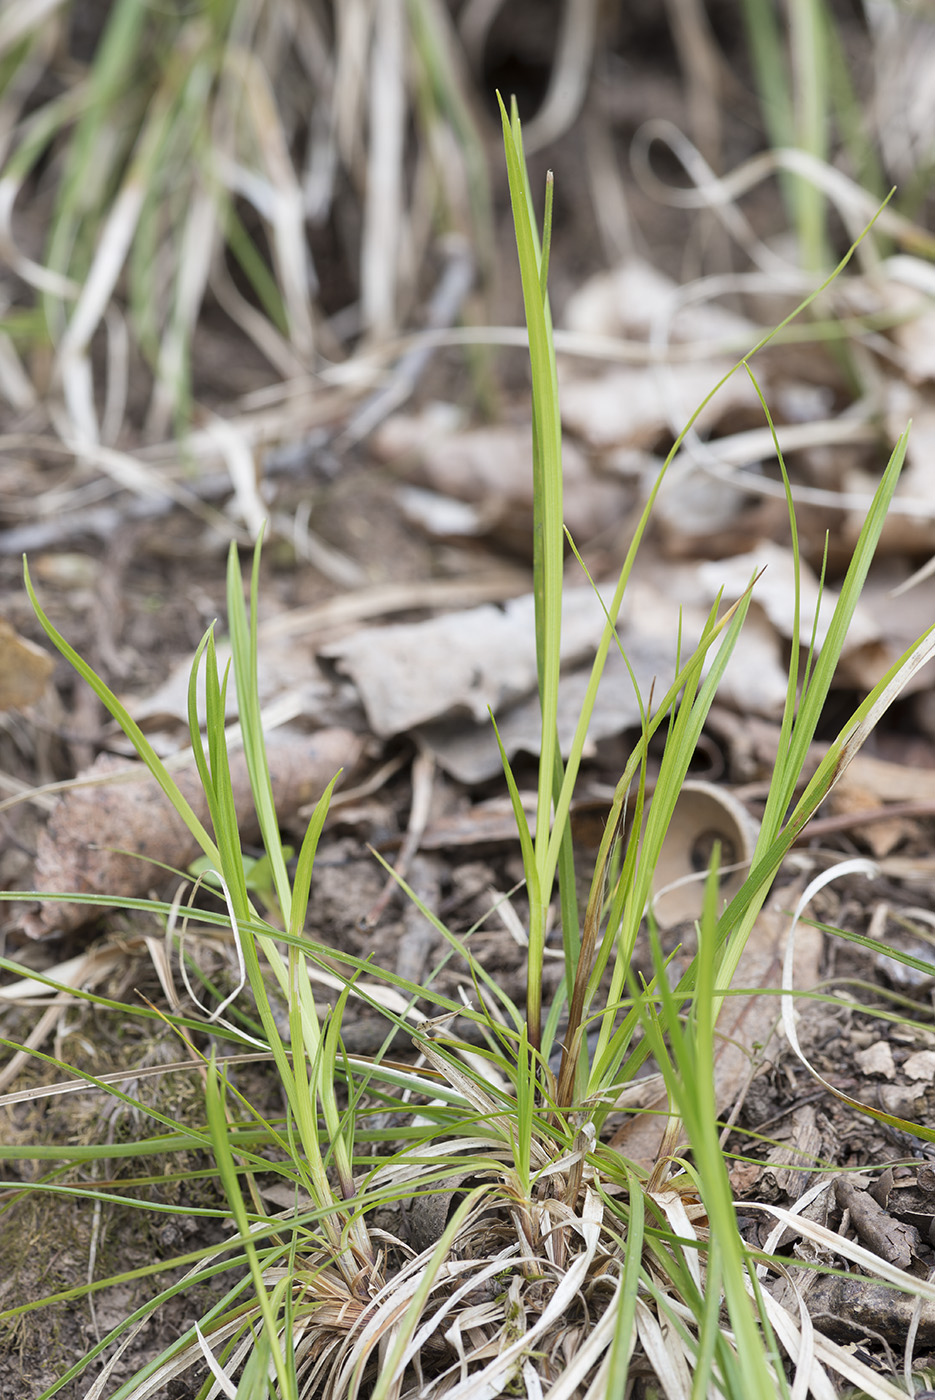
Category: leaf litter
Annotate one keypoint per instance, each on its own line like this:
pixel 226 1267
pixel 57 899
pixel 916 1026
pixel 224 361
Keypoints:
pixel 621 422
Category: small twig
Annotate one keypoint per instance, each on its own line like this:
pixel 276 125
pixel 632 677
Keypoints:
pixel 423 777
pixel 847 821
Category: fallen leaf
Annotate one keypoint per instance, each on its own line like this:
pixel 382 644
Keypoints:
pixel 775 593
pixel 882 835
pixel 490 469
pixel 462 664
pixel 470 753
pixel 24 669
pixel 104 839
pixel 635 297
pixel 634 407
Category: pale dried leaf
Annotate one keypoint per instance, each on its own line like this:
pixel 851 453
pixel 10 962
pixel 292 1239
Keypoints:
pixel 668 1361
pixel 488 1383
pixel 633 298
pixel 491 468
pixel 463 663
pixel 775 593
pixel 471 754
pixel 634 407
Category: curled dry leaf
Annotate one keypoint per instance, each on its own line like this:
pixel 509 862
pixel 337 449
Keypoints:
pixel 704 814
pixel 103 839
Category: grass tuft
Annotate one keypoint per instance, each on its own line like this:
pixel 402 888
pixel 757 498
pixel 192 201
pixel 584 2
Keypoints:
pixel 542 1260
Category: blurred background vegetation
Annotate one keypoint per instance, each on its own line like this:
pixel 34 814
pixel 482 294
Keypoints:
pixel 280 185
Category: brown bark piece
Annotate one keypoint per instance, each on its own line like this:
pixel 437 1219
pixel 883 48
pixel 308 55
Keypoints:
pixel 103 839
pixel 854 1307
pixel 787 1169
pixel 889 1238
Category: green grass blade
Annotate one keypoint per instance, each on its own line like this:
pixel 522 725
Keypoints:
pixel 306 860
pixel 548 535
pixel 218 1126
pixel 244 654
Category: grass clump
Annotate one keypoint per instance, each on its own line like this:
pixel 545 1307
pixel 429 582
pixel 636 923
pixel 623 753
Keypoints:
pixel 544 1261
pixel 215 157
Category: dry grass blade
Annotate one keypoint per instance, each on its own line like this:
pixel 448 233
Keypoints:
pixel 668 1361
pixel 198 253
pixel 701 64
pixel 73 363
pixel 856 207
pixel 383 204
pixel 568 81
pixel 591 1356
pixel 23 16
pixel 206 134
pixel 276 195
pixel 239 461
pixel 489 1382
pixel 834 1243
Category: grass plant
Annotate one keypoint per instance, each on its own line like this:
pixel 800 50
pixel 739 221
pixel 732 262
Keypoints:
pixel 555 1259
pixel 172 157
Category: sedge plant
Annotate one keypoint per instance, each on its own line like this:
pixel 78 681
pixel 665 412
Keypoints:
pixel 555 1260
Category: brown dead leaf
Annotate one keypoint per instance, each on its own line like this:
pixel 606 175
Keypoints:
pixel 746 1023
pixel 882 835
pixel 24 669
pixel 889 782
pixel 104 839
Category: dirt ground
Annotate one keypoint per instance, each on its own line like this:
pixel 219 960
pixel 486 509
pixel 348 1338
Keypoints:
pixel 135 600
